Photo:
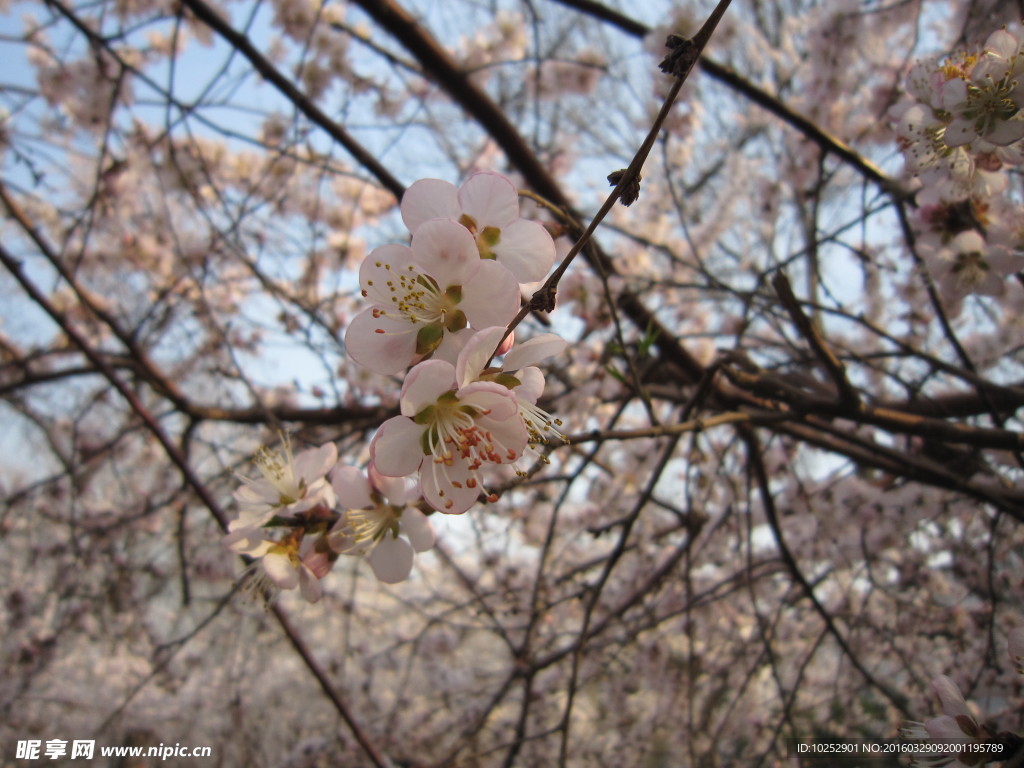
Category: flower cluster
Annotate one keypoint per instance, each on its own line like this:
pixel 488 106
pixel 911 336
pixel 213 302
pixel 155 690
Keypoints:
pixel 438 311
pixel 962 129
pixel 442 306
pixel 298 522
pixel 970 743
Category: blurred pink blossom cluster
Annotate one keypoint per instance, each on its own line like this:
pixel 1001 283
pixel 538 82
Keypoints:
pixel 960 132
pixel 969 741
pixel 438 311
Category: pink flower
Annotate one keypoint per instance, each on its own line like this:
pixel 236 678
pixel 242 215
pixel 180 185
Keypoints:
pixel 449 434
pixel 379 522
pixel 517 372
pixel 956 724
pixel 288 484
pixel 420 296
pixel 299 563
pixel 985 107
pixel 970 265
pixel 487 205
pixel 296 560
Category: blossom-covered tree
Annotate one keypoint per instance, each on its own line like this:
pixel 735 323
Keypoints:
pixel 350 420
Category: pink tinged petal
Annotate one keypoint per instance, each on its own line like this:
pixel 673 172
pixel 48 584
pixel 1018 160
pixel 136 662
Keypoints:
pixel 532 351
pixel 959 133
pixel 509 434
pixel 493 399
pixel 309 585
pixel 954 92
pixel 913 121
pixel 949 695
pixel 395 449
pixel 445 250
pixel 391 560
pixel 247 541
pixel 1006 132
pixel 281 571
pixel 532 386
pixel 492 297
pixel 490 199
pixel 945 728
pixel 429 199
pixel 506 344
pixel 526 250
pixel 257 492
pixel 426 382
pixel 476 353
pixel 920 82
pixel 381 266
pixel 1001 44
pixel 450 489
pixel 385 345
pixel 317 562
pixel 314 463
pixel 416 526
pixel 253 517
pixel 352 488
pixel 989 68
pixel 395 489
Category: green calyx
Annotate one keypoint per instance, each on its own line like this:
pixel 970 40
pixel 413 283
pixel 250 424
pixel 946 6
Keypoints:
pixel 498 376
pixel 428 338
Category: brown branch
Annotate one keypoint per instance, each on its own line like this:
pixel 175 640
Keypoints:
pixel 761 479
pixel 439 67
pixel 287 88
pixel 762 98
pixel 848 395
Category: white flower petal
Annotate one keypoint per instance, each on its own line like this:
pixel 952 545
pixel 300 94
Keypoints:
pixel 281 571
pixel 491 297
pixel 426 382
pixel 494 399
pixel 532 351
pixel 945 728
pixel 397 490
pixel 314 463
pixel 417 527
pixel 450 489
pixel 445 250
pixel 309 585
pixel 476 353
pixel 1001 44
pixel 247 541
pixel 532 386
pixel 395 449
pixel 490 199
pixel 351 487
pixel 391 560
pixel 526 250
pixel 960 133
pixel 1006 132
pixel 952 700
pixel 379 268
pixel 385 345
pixel 429 199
